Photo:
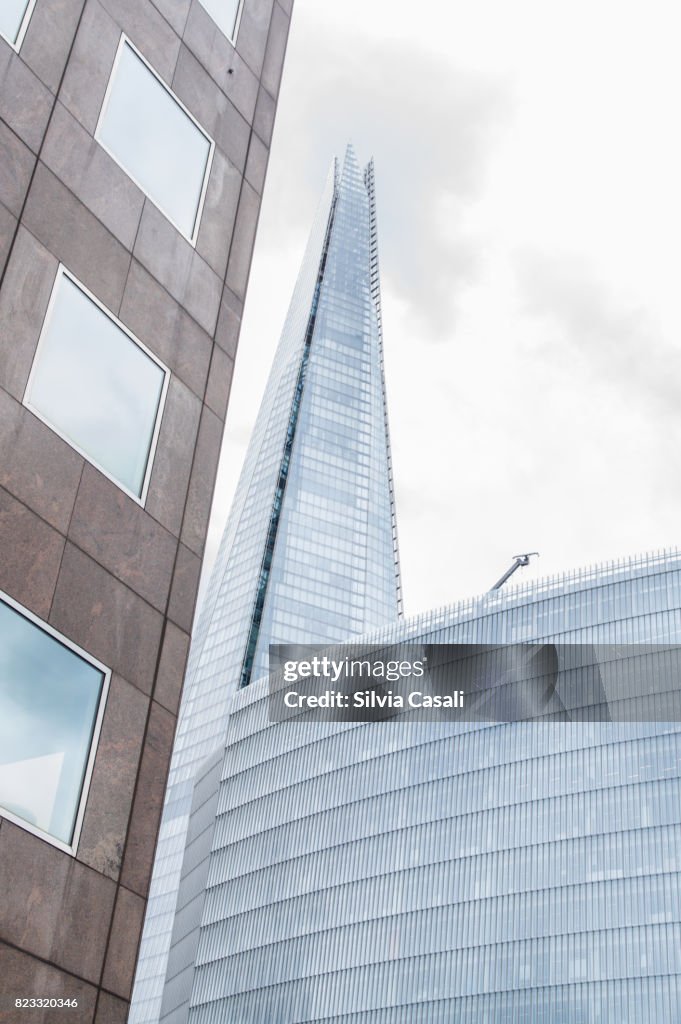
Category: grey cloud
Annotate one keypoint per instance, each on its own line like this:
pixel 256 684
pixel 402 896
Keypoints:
pixel 430 127
pixel 620 343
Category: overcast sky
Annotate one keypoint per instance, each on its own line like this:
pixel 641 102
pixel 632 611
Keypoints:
pixel 529 200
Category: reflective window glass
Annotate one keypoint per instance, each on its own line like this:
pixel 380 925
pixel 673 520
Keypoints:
pixel 225 14
pixel 95 385
pixel 148 132
pixel 14 16
pixel 50 697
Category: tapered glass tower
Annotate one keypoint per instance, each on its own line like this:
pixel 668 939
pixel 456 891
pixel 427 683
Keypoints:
pixel 309 553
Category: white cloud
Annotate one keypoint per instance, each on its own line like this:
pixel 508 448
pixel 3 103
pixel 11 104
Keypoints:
pixel 527 175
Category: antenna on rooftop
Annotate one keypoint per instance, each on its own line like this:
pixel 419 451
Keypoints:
pixel 519 560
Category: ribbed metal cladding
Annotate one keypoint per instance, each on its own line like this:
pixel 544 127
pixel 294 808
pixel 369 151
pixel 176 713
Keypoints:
pixel 436 872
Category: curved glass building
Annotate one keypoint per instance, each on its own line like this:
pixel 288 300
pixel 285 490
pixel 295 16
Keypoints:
pixel 395 872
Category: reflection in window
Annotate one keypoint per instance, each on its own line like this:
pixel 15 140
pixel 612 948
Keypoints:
pixel 95 385
pixel 50 700
pixel 155 140
pixel 225 14
pixel 14 18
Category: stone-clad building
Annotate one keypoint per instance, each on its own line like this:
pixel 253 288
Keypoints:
pixel 134 137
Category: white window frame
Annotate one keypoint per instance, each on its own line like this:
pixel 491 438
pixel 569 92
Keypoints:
pixel 22 28
pixel 94 742
pixel 237 23
pixel 123 42
pixel 63 272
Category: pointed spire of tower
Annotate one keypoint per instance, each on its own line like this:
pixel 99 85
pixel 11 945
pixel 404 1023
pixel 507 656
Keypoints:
pixel 309 552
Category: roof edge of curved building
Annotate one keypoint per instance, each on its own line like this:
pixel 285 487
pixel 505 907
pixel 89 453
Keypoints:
pixel 592 575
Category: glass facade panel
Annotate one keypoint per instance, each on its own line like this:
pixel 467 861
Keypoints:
pixel 97 387
pixel 14 17
pixel 146 129
pixel 225 14
pixel 50 700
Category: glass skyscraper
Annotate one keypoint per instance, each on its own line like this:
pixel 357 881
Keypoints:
pixel 431 872
pixel 309 553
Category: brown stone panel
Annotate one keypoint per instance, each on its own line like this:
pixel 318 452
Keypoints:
pixel 88 171
pixel 146 813
pixel 219 382
pixel 119 967
pixel 48 39
pixel 163 251
pixel 276 49
pixel 151 313
pixel 217 218
pixel 148 31
pixel 184 589
pixel 263 122
pixel 174 455
pixel 53 906
pixel 76 237
pixel 31 554
pixel 175 12
pixel 171 668
pixel 25 977
pixel 122 537
pixel 202 482
pixel 8 226
pixel 202 294
pixel 235 303
pixel 109 802
pixel 26 291
pixel 36 466
pixel 106 618
pixel 110 1010
pixel 25 103
pixel 89 67
pixel 253 30
pixel 178 267
pixel 222 62
pixel 256 164
pixel 16 167
pixel 215 113
pixel 244 237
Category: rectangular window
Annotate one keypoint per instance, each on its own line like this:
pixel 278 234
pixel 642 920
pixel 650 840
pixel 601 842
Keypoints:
pixel 156 141
pixel 52 698
pixel 225 14
pixel 14 18
pixel 97 386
